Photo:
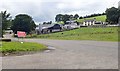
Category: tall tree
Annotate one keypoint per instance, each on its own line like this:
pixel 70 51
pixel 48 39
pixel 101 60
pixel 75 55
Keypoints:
pixel 113 15
pixel 63 18
pixel 76 16
pixel 6 20
pixel 66 18
pixel 59 17
pixel 23 22
pixel 71 17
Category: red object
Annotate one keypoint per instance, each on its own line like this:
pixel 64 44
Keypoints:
pixel 21 34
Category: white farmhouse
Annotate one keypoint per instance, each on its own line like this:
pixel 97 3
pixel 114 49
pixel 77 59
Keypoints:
pixel 92 22
pixel 71 25
pixel 89 22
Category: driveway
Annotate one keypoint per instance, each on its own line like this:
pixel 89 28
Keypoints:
pixel 68 54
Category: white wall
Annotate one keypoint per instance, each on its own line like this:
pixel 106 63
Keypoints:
pixel 88 23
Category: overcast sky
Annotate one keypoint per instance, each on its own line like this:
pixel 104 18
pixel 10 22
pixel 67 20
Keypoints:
pixel 46 10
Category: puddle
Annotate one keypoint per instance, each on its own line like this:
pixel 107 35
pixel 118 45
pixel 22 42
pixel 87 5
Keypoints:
pixel 50 48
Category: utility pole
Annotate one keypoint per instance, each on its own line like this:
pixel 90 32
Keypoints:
pixel 119 9
pixel 119 5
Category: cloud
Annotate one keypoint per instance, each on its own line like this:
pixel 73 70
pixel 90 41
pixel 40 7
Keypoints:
pixel 45 10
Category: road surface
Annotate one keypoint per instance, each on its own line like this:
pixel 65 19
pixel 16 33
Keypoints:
pixel 68 54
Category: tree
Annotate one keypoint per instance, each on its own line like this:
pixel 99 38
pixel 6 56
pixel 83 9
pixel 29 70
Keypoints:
pixel 71 17
pixel 76 16
pixel 6 20
pixel 113 15
pixel 63 18
pixel 81 17
pixel 59 17
pixel 23 22
pixel 47 22
pixel 44 22
pixel 66 18
pixel 50 22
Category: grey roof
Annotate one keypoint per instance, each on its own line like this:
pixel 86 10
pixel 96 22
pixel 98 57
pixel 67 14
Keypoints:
pixel 45 26
pixel 89 20
pixel 72 21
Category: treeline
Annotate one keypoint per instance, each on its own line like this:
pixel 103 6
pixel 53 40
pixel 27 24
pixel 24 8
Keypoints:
pixel 92 15
pixel 50 22
pixel 66 17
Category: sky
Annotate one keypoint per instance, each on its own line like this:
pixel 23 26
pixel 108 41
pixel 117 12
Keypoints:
pixel 46 10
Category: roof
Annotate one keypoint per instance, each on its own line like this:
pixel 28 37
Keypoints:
pixel 89 20
pixel 45 26
pixel 72 21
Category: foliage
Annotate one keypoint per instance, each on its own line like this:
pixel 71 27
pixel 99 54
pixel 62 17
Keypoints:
pixel 59 17
pixel 64 18
pixel 93 15
pixel 23 22
pixel 47 22
pixel 113 15
pixel 6 20
pixel 10 47
pixel 101 34
pixel 76 16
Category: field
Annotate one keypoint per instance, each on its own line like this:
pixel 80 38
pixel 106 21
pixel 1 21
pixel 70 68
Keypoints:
pixel 61 22
pixel 99 34
pixel 12 47
pixel 98 18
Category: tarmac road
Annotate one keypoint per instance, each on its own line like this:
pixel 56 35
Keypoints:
pixel 68 54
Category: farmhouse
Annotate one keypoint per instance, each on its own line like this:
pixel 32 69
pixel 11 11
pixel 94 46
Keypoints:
pixel 48 28
pixel 71 25
pixel 92 22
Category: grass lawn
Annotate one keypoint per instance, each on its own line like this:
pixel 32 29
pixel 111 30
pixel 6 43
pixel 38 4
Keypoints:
pixel 11 47
pixel 99 34
pixel 98 18
pixel 61 22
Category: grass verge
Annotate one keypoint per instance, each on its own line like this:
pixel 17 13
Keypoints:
pixel 16 47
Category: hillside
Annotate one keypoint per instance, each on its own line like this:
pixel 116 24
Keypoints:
pixel 98 18
pixel 101 34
